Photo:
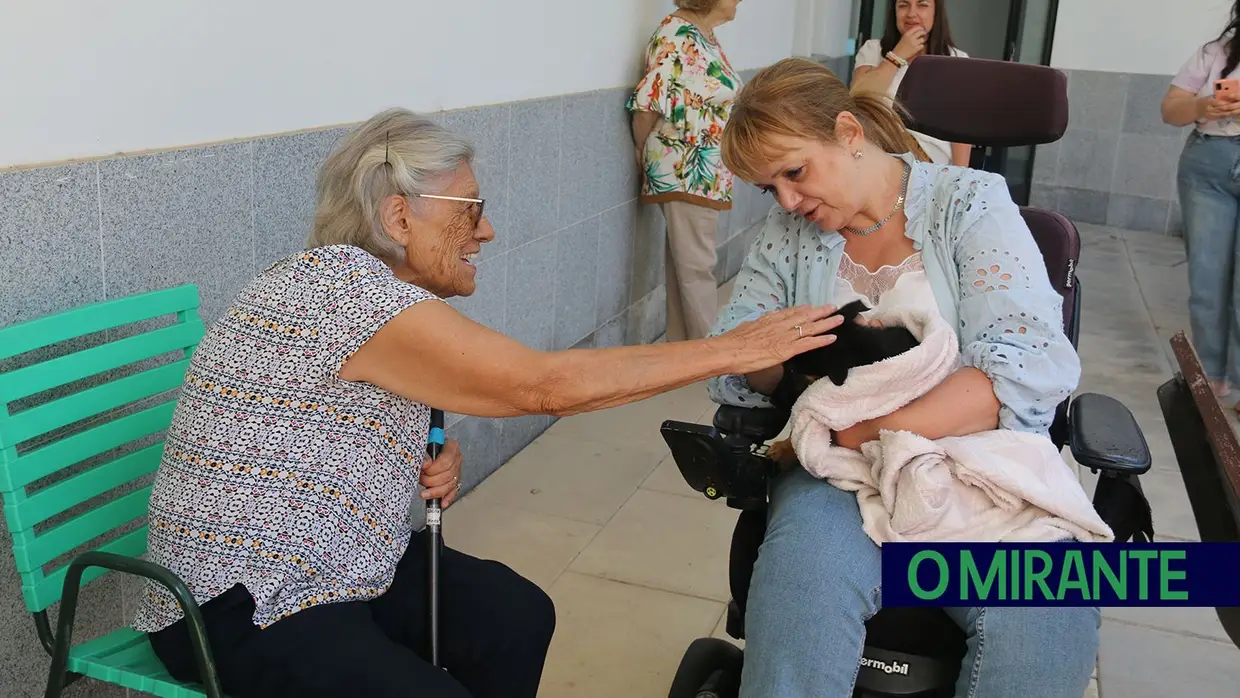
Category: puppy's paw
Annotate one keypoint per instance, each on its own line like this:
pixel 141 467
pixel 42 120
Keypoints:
pixel 782 452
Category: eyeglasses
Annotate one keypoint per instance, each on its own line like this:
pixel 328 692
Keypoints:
pixel 481 203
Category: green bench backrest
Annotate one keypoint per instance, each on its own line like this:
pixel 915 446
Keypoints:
pixel 26 507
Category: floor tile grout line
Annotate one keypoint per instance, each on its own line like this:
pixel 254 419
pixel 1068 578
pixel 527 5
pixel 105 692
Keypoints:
pixel 1145 305
pixel 648 587
pixel 1168 631
pixel 568 565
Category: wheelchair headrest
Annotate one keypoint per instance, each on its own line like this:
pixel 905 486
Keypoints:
pixel 985 102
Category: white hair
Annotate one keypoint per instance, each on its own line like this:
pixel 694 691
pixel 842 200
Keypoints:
pixel 394 152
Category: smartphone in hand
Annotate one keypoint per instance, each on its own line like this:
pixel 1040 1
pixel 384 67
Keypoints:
pixel 1227 89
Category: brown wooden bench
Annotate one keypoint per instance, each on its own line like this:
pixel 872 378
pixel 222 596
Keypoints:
pixel 1208 454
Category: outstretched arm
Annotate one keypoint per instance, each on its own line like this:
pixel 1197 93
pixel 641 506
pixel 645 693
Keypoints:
pixel 762 285
pixel 432 354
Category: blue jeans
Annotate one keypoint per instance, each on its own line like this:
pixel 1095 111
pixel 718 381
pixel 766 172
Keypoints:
pixel 1209 188
pixel 817 580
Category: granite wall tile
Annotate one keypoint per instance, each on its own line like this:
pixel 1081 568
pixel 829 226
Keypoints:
pixel 529 304
pixel 179 217
pixel 619 178
pixel 517 432
pixel 285 168
pixel 489 128
pixel 49 241
pixel 612 333
pixel 1138 213
pixel 1044 196
pixel 583 193
pixel 616 258
pixel 487 305
pixel 1087 159
pixel 1096 99
pixel 647 318
pixel 1175 220
pixel 1117 160
pixel 1046 163
pixel 576 282
pixel 1083 205
pixel 1146 166
pixel 649 251
pixel 534 175
pixel 480 440
pixel 1143 108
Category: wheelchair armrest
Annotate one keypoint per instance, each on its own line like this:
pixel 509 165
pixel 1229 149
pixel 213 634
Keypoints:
pixel 754 424
pixel 1103 435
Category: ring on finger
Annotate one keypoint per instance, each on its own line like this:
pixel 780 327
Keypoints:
pixel 800 332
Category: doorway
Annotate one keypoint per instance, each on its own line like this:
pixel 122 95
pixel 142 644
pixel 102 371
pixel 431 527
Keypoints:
pixel 1008 30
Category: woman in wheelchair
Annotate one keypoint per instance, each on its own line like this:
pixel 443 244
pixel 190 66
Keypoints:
pixel 862 214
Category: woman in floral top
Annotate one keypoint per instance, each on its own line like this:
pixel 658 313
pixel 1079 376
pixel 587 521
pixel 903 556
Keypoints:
pixel 679 111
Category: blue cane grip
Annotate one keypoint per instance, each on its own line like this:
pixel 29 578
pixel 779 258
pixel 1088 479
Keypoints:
pixel 437 436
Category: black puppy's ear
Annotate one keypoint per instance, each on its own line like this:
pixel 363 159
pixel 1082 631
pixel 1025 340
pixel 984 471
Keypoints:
pixel 851 310
pixel 838 373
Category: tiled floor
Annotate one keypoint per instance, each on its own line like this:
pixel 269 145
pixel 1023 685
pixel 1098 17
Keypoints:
pixel 597 514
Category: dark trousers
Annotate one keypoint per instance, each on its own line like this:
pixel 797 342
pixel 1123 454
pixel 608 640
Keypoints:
pixel 495 628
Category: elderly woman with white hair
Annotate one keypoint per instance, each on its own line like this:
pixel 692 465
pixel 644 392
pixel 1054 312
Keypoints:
pixel 297 445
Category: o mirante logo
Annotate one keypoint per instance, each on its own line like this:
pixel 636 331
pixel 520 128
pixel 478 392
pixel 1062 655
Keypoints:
pixel 1061 574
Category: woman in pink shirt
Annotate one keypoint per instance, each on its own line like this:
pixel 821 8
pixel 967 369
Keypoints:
pixel 1209 190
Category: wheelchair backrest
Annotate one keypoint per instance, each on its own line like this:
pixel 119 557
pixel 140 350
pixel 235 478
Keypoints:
pixel 1007 104
pixel 1208 454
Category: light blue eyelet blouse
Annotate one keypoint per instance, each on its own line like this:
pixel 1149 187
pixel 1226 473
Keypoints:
pixel 986 271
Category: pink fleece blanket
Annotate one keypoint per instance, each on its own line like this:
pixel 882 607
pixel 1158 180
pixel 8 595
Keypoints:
pixel 993 486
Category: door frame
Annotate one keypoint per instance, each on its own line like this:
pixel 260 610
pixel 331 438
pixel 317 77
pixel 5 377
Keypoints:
pixel 996 159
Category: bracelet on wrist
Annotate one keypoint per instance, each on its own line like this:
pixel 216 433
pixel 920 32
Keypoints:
pixel 895 60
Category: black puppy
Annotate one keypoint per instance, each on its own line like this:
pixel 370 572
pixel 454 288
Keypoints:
pixel 855 345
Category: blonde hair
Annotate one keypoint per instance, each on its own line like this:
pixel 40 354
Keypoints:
pixel 697 5
pixel 394 152
pixel 799 98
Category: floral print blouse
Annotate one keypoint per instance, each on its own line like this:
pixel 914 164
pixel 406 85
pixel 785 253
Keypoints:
pixel 691 85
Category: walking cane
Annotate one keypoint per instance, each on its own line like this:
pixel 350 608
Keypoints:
pixel 435 527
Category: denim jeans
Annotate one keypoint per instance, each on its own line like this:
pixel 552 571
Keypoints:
pixel 817 580
pixel 1209 188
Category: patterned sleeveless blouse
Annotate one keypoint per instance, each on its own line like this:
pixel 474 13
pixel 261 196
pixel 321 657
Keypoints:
pixel 276 474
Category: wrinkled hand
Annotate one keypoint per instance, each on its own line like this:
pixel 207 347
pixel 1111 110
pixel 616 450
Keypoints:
pixel 442 477
pixel 911 44
pixel 773 338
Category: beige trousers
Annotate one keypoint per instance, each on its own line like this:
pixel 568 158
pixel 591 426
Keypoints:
pixel 692 295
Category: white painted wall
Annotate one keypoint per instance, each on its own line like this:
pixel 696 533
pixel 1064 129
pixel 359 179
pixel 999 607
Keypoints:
pixel 833 25
pixel 81 79
pixel 1134 36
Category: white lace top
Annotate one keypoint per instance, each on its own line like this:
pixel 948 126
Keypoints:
pixel 901 285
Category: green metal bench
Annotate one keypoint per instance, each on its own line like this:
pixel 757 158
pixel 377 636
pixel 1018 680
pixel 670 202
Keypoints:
pixel 36 444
